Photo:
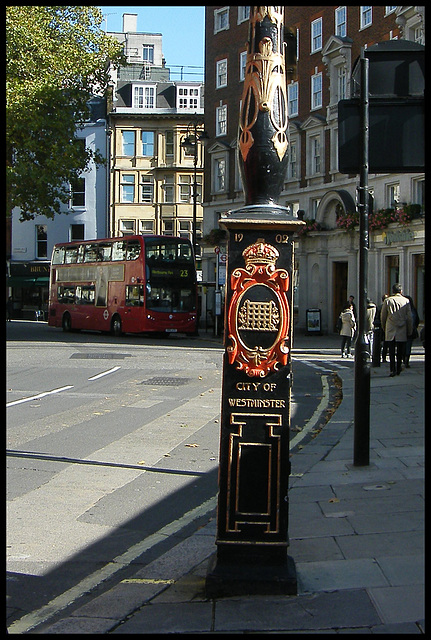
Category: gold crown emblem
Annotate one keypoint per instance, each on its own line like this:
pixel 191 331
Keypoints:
pixel 260 253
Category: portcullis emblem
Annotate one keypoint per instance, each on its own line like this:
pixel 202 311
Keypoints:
pixel 258 315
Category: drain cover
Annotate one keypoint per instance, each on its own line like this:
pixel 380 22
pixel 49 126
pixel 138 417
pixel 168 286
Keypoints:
pixel 164 381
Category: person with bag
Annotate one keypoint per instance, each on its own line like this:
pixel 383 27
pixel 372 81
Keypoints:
pixel 348 327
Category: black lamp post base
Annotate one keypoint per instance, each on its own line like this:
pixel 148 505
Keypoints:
pixel 251 573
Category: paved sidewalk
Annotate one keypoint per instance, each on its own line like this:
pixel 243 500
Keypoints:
pixel 356 536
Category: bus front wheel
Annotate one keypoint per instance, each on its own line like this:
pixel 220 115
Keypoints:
pixel 66 322
pixel 116 325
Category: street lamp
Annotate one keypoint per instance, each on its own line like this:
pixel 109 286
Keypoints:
pixel 190 146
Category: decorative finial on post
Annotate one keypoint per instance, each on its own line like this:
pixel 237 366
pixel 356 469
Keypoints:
pixel 262 136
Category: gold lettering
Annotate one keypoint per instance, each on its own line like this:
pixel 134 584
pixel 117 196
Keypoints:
pixel 257 403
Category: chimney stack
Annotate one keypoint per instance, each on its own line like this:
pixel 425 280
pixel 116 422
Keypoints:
pixel 130 22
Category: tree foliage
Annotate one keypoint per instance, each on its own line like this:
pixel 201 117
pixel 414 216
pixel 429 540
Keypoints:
pixel 57 58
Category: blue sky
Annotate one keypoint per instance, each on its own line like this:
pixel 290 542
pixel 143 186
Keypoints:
pixel 182 27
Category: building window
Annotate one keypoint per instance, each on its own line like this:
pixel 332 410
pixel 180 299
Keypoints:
pixel 41 241
pixel 146 227
pixel 316 91
pixel 221 73
pixel 188 97
pixel 243 14
pixel 341 22
pixel 419 192
pixel 315 154
pixel 242 64
pixel 148 53
pixel 128 138
pixel 393 194
pixel 316 35
pixel 184 188
pixel 168 188
pixel 147 189
pixel 219 175
pixel 169 142
pixel 138 97
pixel 292 92
pixel 292 167
pixel 144 97
pixel 127 187
pixel 76 232
pixel 198 189
pixel 313 208
pixel 185 229
pixel 147 138
pixel 221 19
pixel 366 15
pixel 149 97
pixel 78 193
pixel 221 120
pixel 341 82
pixel 168 227
pixel 127 227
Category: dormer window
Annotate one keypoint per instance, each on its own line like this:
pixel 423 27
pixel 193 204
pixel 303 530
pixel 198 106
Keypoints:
pixel 188 97
pixel 144 96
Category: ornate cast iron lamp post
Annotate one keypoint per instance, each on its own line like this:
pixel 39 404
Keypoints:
pixel 190 145
pixel 252 517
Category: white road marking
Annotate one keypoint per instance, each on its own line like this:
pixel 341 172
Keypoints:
pixel 105 373
pixel 31 620
pixel 39 395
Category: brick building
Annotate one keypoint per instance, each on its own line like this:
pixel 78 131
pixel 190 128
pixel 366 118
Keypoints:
pixel 327 42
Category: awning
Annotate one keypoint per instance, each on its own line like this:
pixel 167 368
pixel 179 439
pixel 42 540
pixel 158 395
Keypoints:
pixel 22 281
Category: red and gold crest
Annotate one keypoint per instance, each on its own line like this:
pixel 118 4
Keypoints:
pixel 258 315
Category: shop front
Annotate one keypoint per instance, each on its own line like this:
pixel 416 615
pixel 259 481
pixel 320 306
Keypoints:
pixel 28 290
pixel 329 266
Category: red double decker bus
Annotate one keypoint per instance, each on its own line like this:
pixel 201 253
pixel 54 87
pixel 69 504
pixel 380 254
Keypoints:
pixel 134 284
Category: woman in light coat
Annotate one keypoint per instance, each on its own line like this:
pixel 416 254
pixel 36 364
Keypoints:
pixel 348 327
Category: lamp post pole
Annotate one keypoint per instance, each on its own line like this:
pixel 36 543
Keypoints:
pixel 190 145
pixel 195 195
pixel 361 451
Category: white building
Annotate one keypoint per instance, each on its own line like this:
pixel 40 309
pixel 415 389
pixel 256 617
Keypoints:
pixel 83 218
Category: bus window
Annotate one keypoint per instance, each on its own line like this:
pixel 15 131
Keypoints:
pixel 105 251
pixel 93 253
pixel 66 295
pixel 119 250
pixel 85 294
pixel 135 295
pixel 133 249
pixel 71 255
pixel 184 252
pixel 58 255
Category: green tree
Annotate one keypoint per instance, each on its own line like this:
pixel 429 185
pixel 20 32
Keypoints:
pixel 57 59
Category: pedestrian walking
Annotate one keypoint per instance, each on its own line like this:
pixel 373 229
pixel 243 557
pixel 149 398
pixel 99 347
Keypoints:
pixel 397 322
pixel 414 334
pixel 369 323
pixel 351 301
pixel 348 327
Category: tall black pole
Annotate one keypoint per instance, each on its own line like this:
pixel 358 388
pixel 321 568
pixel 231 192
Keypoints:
pixel 361 455
pixel 252 515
